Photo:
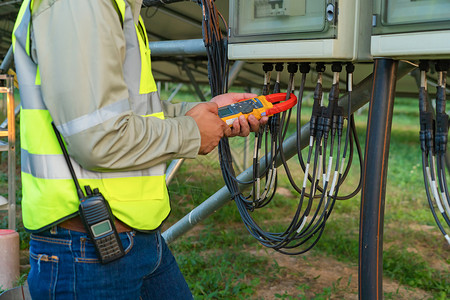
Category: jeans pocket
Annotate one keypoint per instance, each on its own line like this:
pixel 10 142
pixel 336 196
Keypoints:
pixel 43 275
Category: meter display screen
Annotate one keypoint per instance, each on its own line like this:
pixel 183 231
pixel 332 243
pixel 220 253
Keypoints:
pixel 225 112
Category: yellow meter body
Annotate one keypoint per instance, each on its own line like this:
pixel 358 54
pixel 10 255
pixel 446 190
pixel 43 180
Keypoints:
pixel 257 107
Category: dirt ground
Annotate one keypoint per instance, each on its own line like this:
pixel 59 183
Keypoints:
pixel 320 273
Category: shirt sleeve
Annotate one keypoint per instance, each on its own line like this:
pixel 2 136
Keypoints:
pixel 172 110
pixel 79 46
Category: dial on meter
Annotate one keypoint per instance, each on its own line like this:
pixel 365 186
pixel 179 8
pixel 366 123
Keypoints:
pixel 259 107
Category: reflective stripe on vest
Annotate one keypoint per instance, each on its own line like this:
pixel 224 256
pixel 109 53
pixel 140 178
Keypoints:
pixel 138 198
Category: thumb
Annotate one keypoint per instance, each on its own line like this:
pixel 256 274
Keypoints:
pixel 212 107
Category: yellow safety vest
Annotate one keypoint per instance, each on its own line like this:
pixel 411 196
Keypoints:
pixel 138 198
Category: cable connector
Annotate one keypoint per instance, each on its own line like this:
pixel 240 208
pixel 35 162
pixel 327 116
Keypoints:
pixel 427 123
pixel 292 67
pixel 336 67
pixel 305 67
pixel 349 67
pixel 442 65
pixel 441 133
pixel 267 67
pixel 315 116
pixel 338 121
pixel 441 115
pixel 324 123
pixel 333 98
pixel 426 132
pixel 424 65
pixel 317 109
pixel 320 67
pixel 274 124
pixel 279 67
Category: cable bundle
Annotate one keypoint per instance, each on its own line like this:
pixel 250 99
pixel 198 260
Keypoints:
pixel 216 47
pixel 300 235
pixel 433 143
pixel 326 125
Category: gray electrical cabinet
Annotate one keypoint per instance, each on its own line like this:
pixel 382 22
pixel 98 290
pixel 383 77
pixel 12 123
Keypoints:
pixel 411 29
pixel 299 30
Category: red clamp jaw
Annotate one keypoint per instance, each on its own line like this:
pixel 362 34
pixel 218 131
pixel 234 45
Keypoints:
pixel 283 104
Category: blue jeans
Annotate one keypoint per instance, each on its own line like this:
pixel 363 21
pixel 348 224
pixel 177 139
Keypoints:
pixel 64 266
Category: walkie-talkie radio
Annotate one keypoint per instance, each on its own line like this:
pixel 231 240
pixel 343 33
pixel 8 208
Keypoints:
pixel 98 220
pixel 96 216
pixel 259 107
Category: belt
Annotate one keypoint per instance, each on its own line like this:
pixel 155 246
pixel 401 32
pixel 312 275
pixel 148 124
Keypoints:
pixel 75 224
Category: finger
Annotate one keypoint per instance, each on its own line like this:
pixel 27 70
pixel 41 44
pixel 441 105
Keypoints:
pixel 212 107
pixel 263 121
pixel 228 131
pixel 253 123
pixel 245 127
pixel 236 128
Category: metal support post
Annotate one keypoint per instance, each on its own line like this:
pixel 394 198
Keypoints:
pixel 172 169
pixel 234 71
pixel 7 60
pixel 374 179
pixel 194 83
pixel 175 92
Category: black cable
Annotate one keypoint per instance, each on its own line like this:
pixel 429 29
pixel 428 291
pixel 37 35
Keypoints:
pixel 433 143
pixel 441 138
pixel 350 134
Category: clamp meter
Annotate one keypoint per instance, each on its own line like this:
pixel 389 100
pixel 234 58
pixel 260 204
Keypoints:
pixel 259 107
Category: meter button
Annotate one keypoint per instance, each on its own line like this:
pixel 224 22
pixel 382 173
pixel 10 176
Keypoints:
pixel 246 107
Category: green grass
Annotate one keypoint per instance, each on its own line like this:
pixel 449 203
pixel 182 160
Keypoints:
pixel 411 269
pixel 221 275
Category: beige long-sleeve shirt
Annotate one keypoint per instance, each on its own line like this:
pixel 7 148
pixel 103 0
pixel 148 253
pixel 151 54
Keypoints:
pixel 79 46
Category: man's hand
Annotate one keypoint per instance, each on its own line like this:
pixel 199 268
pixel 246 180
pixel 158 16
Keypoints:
pixel 241 126
pixel 211 127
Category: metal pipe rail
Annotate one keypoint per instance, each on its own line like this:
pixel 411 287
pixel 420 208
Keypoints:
pixel 177 47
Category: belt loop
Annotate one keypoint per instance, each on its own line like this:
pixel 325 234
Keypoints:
pixel 54 230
